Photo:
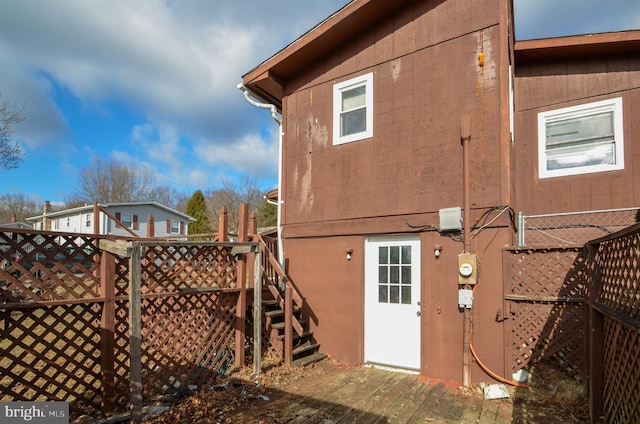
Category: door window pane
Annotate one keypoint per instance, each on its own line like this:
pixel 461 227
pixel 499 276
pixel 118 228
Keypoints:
pixel 394 274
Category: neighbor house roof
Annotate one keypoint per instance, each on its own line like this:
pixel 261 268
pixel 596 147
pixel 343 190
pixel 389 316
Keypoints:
pixel 267 80
pixel 17 225
pixel 88 208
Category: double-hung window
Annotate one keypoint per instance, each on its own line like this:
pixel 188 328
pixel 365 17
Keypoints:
pixel 581 139
pixel 353 109
pixel 127 220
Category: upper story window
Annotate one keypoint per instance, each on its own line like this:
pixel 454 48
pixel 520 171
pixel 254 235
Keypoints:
pixel 87 220
pixel 353 109
pixel 581 139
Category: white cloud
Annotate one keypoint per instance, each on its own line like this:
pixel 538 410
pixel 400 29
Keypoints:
pixel 148 82
pixel 249 155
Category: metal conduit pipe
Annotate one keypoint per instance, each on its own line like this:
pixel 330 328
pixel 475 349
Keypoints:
pixel 249 97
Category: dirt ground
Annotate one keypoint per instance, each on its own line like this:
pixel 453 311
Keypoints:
pixel 553 398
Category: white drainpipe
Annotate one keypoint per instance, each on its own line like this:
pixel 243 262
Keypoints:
pixel 274 114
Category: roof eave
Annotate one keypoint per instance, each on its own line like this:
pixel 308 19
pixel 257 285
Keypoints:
pixel 577 47
pixel 268 80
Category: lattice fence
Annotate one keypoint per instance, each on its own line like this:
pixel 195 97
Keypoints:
pixel 615 266
pixel 573 228
pixel 545 295
pixel 59 344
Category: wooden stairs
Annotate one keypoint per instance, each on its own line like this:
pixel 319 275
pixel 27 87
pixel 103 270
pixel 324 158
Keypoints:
pixel 286 326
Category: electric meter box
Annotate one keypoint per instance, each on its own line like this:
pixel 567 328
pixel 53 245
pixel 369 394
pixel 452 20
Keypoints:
pixel 467 268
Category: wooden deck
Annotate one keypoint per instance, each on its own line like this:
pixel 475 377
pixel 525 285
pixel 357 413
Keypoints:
pixel 365 395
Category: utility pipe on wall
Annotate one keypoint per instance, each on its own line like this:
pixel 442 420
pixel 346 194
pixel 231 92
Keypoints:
pixel 465 136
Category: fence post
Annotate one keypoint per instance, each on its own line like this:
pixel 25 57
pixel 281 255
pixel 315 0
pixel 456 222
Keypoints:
pixel 253 231
pixel 223 225
pixel 288 318
pixel 107 330
pixel 257 312
pixel 151 226
pixel 520 241
pixel 595 340
pixel 135 325
pixel 241 307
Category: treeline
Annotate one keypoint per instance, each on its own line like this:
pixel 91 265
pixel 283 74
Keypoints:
pixel 110 181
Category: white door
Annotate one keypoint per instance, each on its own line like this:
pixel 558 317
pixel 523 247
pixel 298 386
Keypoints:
pixel 392 302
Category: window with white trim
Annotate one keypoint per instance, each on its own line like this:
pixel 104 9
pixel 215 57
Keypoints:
pixel 581 139
pixel 127 220
pixel 175 227
pixel 353 109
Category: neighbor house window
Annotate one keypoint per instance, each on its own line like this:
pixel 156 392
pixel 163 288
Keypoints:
pixel 353 109
pixel 581 139
pixel 87 220
pixel 127 220
pixel 175 227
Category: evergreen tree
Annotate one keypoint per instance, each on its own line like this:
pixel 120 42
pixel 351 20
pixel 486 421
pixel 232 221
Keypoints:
pixel 197 208
pixel 267 215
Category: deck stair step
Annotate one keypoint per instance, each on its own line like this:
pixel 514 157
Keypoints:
pixel 305 347
pixel 310 359
pixel 275 313
pixel 296 336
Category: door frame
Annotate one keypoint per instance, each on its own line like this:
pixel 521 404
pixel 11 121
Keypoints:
pixel 371 244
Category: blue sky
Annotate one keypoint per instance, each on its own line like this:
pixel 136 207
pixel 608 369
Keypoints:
pixel 154 82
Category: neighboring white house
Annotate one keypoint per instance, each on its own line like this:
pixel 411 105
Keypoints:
pixel 133 215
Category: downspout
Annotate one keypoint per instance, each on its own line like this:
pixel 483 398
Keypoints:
pixel 274 114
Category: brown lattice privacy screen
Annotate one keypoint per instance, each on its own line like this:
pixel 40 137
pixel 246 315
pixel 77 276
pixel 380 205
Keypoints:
pixel 545 296
pixel 64 315
pixel 615 280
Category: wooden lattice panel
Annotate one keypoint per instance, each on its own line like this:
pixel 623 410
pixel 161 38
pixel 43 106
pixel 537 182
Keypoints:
pixel 187 339
pixel 52 354
pixel 621 372
pixel 546 289
pixel 42 266
pixel 169 268
pixel 618 265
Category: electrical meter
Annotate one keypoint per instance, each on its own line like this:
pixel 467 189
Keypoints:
pixel 467 268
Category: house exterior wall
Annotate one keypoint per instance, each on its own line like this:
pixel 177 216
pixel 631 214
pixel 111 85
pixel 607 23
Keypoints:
pixel 75 221
pixel 553 85
pixel 160 217
pixel 426 76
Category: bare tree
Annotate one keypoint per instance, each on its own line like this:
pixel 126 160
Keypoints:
pixel 169 196
pixel 111 181
pixel 18 205
pixel 10 152
pixel 231 194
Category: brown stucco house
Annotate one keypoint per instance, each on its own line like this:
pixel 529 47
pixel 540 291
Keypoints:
pixel 378 199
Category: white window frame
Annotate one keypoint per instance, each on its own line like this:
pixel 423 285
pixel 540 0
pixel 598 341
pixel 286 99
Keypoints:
pixel 362 80
pixel 613 105
pixel 175 227
pixel 87 220
pixel 127 220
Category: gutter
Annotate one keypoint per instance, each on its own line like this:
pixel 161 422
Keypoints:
pixel 250 98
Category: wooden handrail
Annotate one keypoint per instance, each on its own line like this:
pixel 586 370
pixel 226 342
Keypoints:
pixel 296 298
